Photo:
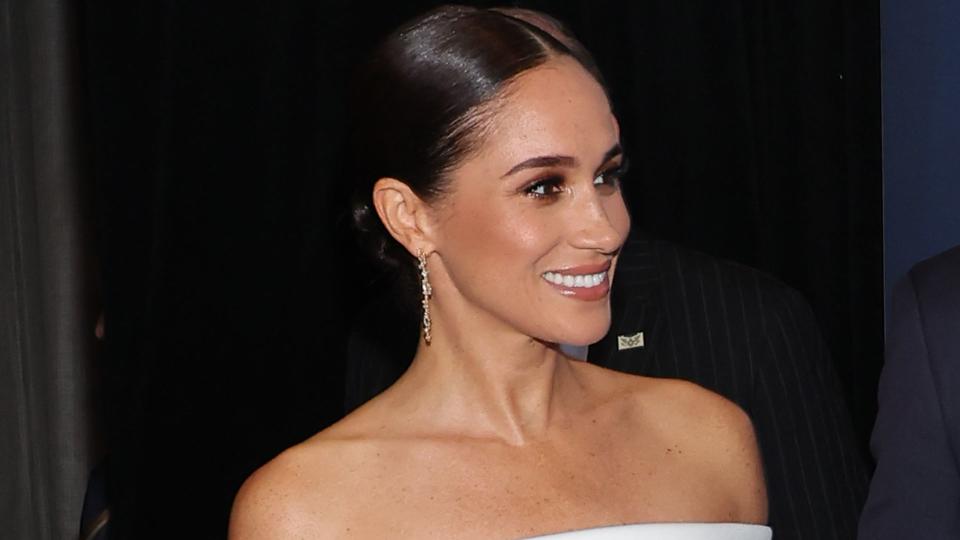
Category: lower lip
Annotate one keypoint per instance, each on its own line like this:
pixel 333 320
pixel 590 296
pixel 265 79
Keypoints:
pixel 584 293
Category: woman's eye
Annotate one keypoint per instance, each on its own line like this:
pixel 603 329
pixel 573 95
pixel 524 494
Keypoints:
pixel 545 188
pixel 612 176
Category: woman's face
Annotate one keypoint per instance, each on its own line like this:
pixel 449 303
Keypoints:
pixel 529 231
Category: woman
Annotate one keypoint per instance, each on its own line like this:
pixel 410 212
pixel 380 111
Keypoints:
pixel 490 164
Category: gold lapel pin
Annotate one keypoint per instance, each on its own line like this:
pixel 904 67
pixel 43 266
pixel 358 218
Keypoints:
pixel 630 342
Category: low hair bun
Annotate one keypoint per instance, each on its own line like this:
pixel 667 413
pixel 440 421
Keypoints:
pixel 373 236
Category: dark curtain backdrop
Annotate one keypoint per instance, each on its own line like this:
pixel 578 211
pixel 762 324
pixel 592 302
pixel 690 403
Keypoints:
pixel 229 272
pixel 47 309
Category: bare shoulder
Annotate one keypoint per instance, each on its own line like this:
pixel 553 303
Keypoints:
pixel 673 402
pixel 270 503
pixel 692 405
pixel 721 436
pixel 303 492
pixel 712 435
pixel 675 399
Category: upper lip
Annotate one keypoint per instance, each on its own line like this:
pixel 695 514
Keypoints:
pixel 583 269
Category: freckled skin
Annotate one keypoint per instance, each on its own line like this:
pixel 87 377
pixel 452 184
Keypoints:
pixel 496 242
pixel 492 433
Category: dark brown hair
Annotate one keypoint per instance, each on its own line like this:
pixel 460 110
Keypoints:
pixel 421 102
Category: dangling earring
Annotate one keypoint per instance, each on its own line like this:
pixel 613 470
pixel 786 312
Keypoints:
pixel 427 292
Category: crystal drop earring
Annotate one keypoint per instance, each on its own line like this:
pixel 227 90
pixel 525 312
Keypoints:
pixel 426 291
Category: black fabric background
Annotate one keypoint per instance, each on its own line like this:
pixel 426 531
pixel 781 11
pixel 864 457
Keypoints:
pixel 229 272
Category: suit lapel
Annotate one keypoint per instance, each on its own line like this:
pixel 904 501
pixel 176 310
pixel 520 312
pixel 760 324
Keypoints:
pixel 634 311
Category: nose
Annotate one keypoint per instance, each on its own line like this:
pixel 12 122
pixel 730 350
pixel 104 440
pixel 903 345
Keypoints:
pixel 599 222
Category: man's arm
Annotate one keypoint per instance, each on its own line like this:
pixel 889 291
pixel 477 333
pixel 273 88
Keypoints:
pixel 915 492
pixel 815 470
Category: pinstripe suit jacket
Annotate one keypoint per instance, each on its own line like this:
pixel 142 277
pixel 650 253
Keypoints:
pixel 750 338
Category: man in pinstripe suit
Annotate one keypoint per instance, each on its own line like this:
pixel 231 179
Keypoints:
pixel 748 337
pixel 729 328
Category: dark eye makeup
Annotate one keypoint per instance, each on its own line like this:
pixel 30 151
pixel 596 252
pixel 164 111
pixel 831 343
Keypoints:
pixel 552 185
pixel 613 175
pixel 545 187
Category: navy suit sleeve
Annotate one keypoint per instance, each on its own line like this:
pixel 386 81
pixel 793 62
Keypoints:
pixel 915 492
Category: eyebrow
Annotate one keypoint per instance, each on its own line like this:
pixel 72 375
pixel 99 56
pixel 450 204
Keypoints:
pixel 559 161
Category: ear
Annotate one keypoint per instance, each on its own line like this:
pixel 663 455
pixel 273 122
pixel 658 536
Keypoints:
pixel 405 215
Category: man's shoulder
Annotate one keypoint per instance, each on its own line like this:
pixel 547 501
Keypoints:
pixel 938 276
pixel 947 260
pixel 669 263
pixel 934 285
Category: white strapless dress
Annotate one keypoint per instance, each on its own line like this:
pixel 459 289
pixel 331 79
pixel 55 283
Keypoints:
pixel 668 531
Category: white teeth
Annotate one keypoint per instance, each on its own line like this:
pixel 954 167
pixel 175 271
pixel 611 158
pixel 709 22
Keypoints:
pixel 576 281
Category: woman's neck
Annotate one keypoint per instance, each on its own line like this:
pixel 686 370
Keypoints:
pixel 496 382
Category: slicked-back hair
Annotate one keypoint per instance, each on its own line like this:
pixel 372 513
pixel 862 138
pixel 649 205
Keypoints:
pixel 421 104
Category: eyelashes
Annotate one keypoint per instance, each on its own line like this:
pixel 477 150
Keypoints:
pixel 545 187
pixel 613 175
pixel 553 185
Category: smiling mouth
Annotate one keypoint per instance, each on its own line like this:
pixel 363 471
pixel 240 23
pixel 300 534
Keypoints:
pixel 576 281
